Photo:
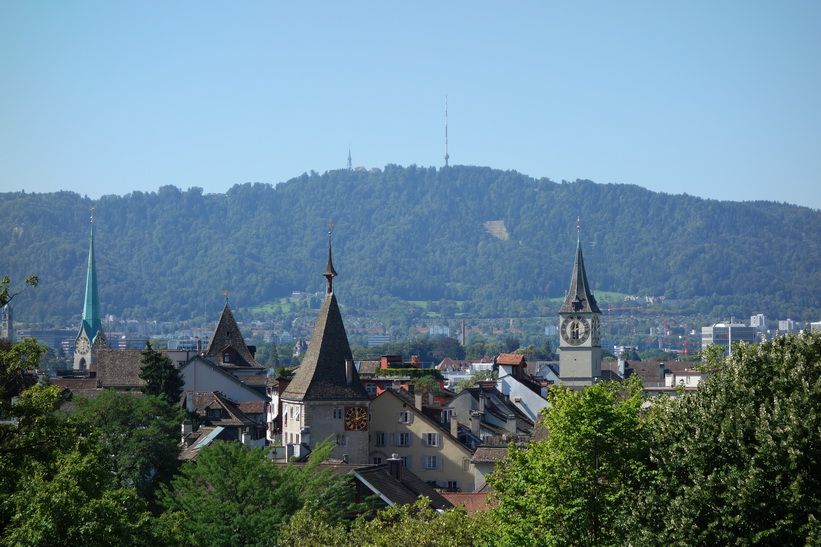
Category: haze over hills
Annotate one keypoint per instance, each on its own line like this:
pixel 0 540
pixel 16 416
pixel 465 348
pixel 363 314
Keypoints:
pixel 496 241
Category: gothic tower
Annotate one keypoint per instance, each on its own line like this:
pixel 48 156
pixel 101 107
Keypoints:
pixel 326 397
pixel 580 330
pixel 91 336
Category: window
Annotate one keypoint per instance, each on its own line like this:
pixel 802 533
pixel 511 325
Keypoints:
pixel 402 439
pixel 215 413
pixel 406 461
pixel 226 357
pixel 430 439
pixel 341 440
pixel 453 486
pixel 377 460
pixel 405 417
pixel 371 389
pixel 381 438
pixel 338 413
pixel 430 462
pixel 445 416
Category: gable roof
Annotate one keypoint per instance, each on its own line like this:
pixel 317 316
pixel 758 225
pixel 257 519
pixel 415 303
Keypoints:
pixel 403 490
pixel 471 502
pixel 511 359
pixel 227 335
pixel 322 374
pixel 237 381
pixel 203 401
pixel 120 368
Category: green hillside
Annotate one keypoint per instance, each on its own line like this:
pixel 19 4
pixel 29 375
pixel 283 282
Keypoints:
pixel 494 241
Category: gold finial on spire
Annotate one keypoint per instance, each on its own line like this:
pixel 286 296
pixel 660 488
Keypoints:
pixel 225 294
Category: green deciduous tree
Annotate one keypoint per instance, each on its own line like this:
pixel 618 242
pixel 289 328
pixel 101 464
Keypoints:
pixel 401 525
pixel 739 460
pixel 161 377
pixel 140 435
pixel 234 495
pixel 73 502
pixel 575 487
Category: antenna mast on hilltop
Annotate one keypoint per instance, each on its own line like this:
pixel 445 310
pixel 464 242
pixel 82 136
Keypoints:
pixel 447 156
pixel 349 158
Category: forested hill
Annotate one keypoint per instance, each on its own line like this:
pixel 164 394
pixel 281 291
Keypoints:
pixel 409 233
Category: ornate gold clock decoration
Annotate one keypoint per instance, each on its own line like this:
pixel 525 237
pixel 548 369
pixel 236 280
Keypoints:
pixel 356 418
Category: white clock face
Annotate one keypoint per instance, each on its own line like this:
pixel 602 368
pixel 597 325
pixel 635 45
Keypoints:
pixel 83 346
pixel 575 330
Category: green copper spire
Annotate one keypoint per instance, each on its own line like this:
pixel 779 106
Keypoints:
pixel 91 306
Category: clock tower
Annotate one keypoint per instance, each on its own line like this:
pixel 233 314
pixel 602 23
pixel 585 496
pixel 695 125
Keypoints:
pixel 91 336
pixel 579 330
pixel 326 398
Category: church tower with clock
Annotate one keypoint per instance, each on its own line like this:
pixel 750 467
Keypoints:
pixel 580 330
pixel 326 398
pixel 90 338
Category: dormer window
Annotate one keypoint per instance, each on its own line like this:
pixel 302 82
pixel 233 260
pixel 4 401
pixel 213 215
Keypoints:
pixel 214 413
pixel 226 357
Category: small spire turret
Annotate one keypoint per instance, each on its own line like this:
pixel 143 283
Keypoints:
pixel 330 273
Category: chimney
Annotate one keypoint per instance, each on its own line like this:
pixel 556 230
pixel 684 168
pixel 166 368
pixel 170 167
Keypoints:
pixel 661 371
pixel 349 371
pixel 395 466
pixel 199 346
pixel 454 425
pixel 475 421
pixel 622 366
pixel 187 428
pixel 417 400
pixel 482 402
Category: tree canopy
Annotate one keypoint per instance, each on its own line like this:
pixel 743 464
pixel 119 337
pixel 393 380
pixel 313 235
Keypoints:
pixel 162 378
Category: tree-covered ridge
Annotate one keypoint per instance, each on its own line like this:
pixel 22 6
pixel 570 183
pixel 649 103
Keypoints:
pixel 408 233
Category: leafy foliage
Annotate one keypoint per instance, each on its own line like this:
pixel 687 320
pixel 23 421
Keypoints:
pixel 402 525
pixel 233 495
pixel 576 487
pixel 140 436
pixel 162 378
pixel 739 460
pixel 55 485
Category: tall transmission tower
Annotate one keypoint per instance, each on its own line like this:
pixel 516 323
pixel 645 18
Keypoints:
pixel 447 156
pixel 350 167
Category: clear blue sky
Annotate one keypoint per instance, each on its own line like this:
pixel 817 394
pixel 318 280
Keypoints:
pixel 716 99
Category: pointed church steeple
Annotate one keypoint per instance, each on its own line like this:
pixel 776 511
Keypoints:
pixel 579 298
pixel 91 304
pixel 91 334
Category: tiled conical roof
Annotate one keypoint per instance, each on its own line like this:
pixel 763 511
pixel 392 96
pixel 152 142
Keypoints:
pixel 324 374
pixel 327 371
